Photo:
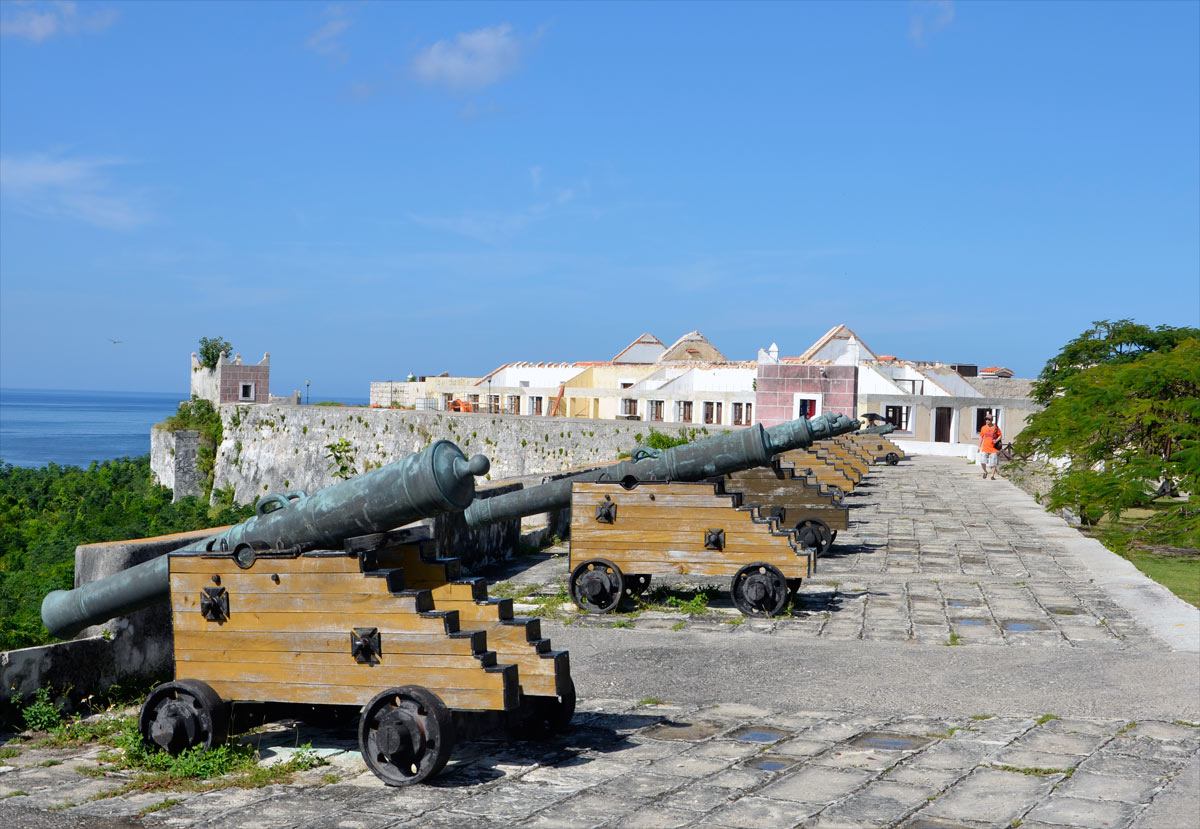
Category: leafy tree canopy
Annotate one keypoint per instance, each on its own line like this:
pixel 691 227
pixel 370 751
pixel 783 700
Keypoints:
pixel 45 513
pixel 1127 430
pixel 1107 341
pixel 212 350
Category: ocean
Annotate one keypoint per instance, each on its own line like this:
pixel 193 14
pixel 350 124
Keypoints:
pixel 41 426
pixel 74 428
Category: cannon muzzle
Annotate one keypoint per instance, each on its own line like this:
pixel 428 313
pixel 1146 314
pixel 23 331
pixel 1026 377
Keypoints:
pixel 431 482
pixel 711 458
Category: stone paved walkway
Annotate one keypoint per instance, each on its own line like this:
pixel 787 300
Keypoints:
pixel 625 764
pixel 934 557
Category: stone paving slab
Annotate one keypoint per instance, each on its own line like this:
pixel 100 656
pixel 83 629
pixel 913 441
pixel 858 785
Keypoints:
pixel 625 764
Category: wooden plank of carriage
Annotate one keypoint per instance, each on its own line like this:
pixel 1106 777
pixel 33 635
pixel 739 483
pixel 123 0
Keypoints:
pixel 467 699
pixel 325 563
pixel 820 471
pixel 842 456
pixel 515 641
pixel 285 608
pixel 794 496
pixel 690 561
pixel 838 465
pixel 811 456
pixel 877 450
pixel 668 534
pixel 755 493
pixel 851 454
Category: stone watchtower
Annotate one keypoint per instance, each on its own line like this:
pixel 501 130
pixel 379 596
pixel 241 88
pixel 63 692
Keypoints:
pixel 232 381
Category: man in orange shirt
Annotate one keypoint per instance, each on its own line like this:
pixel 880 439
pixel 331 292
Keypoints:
pixel 989 436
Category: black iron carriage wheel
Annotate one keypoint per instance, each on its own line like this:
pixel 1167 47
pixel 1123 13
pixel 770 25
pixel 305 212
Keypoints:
pixel 892 459
pixel 760 590
pixel 597 585
pixel 183 714
pixel 406 735
pixel 813 533
pixel 551 715
pixel 636 584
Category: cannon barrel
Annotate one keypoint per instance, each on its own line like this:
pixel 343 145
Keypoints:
pixel 716 456
pixel 878 429
pixel 430 482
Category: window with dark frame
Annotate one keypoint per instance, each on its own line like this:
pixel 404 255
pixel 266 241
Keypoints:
pixel 981 416
pixel 897 416
pixel 535 405
pixel 656 411
pixel 683 409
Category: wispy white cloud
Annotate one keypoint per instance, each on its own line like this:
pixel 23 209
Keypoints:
pixel 472 60
pixel 326 40
pixel 494 226
pixel 37 21
pixel 70 188
pixel 927 18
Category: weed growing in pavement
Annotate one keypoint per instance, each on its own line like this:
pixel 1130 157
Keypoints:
pixel 17 793
pixel 1129 726
pixel 76 732
pixel 1033 772
pixel 1045 718
pixel 41 714
pixel 949 732
pixel 678 625
pixel 651 701
pixel 1187 724
pixel 196 769
pixel 624 623
pixel 8 752
pixel 955 639
pixel 165 803
pixel 508 590
pixel 983 716
pixel 693 602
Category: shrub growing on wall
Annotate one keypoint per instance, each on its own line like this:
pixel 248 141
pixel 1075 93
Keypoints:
pixel 199 415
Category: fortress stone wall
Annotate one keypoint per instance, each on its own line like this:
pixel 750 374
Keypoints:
pixel 272 448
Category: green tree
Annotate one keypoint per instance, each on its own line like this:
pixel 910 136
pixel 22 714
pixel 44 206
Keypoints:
pixel 45 513
pixel 212 350
pixel 1126 427
pixel 1107 341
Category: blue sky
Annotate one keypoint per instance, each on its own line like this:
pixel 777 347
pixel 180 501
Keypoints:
pixel 365 189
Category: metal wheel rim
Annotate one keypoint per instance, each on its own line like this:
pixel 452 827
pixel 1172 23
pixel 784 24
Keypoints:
pixel 406 735
pixel 824 535
pixel 774 586
pixel 636 584
pixel 202 718
pixel 553 714
pixel 602 576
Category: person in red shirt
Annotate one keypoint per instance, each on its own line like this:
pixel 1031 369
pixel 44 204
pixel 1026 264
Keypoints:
pixel 989 437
